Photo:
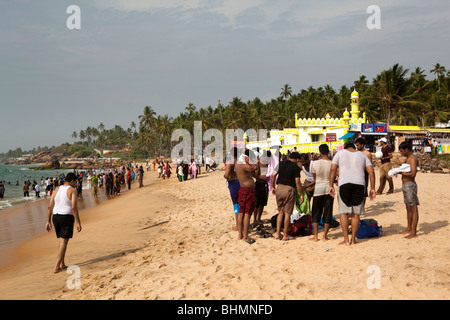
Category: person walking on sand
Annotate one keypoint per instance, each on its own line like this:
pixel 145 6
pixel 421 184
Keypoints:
pixel 386 165
pixel 246 193
pixel 322 201
pixel 351 164
pixel 63 212
pixel 409 188
pixel 287 178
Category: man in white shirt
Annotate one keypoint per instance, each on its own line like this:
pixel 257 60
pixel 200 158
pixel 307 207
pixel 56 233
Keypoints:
pixel 37 190
pixel 351 182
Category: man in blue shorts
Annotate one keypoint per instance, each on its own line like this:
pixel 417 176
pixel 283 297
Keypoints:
pixel 233 182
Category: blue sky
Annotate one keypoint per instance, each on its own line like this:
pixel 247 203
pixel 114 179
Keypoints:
pixel 168 53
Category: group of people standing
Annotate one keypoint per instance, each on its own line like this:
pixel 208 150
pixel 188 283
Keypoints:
pixel 187 171
pixel 348 176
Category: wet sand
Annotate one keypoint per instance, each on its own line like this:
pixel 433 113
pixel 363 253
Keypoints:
pixel 27 220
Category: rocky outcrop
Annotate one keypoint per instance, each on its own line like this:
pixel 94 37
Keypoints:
pixel 52 164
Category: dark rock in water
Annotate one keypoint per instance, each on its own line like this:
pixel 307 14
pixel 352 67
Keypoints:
pixel 54 164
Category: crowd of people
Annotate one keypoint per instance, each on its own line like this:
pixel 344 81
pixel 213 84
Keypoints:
pixel 112 180
pixel 348 176
pixel 184 169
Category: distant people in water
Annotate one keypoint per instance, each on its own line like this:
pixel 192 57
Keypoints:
pixel 26 189
pixel 2 189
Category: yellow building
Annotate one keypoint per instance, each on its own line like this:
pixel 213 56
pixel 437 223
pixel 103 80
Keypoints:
pixel 309 134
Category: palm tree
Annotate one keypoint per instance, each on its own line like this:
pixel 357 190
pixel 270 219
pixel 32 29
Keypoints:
pixel 286 92
pixel 438 71
pixel 361 83
pixel 163 129
pixel 147 118
pixel 133 125
pixel 82 135
pixel 74 135
pixel 257 115
pixel 437 110
pixel 190 108
pixel 391 87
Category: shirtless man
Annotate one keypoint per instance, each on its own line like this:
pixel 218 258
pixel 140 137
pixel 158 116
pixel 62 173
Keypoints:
pixel 409 188
pixel 246 194
pixel 233 182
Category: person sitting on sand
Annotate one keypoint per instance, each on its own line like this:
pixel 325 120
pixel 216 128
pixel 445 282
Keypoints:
pixel 63 212
pixel 246 193
pixel 409 188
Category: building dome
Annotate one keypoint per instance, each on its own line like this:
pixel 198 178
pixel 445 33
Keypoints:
pixel 355 94
pixel 346 114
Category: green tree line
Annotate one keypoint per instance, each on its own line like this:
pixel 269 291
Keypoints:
pixel 396 96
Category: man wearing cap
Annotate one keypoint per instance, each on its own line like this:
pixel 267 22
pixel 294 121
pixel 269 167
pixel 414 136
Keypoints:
pixel 386 165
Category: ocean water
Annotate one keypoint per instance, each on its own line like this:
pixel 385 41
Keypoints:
pixel 12 174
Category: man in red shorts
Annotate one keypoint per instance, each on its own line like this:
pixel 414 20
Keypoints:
pixel 246 194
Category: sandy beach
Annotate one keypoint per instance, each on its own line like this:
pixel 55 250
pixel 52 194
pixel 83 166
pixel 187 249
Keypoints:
pixel 174 240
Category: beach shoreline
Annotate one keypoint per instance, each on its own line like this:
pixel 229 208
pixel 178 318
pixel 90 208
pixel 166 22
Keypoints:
pixel 174 240
pixel 26 220
pixel 31 254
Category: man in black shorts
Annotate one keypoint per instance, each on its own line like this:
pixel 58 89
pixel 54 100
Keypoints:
pixel 63 208
pixel 351 164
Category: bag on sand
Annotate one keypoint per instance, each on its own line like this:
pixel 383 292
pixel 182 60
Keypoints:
pixel 301 227
pixel 334 223
pixel 369 229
